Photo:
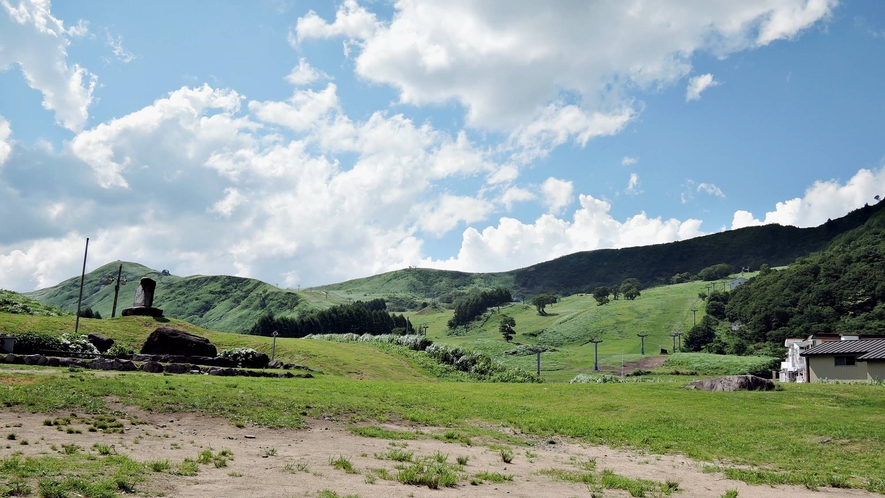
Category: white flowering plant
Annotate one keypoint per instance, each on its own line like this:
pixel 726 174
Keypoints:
pixel 77 344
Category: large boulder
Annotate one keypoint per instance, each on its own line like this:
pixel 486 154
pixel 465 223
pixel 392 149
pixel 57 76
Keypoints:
pixel 733 383
pixel 101 343
pixel 170 341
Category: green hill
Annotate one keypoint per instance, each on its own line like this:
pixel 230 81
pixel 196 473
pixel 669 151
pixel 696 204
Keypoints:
pixel 230 304
pixel 234 304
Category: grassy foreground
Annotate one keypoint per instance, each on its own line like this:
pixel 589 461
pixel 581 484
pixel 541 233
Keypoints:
pixel 813 435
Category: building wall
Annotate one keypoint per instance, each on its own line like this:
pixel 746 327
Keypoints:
pixel 876 370
pixel 824 367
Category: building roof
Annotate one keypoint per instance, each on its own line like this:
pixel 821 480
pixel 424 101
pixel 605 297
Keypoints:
pixel 868 349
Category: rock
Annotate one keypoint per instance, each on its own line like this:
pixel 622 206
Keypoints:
pixel 33 359
pixel 10 358
pixel 53 362
pixel 102 364
pixel 124 365
pixel 733 383
pixel 177 368
pixel 101 343
pixel 152 367
pixel 275 364
pixel 224 372
pixel 170 341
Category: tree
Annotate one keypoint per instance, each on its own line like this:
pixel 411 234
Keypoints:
pixel 506 328
pixel 541 301
pixel 701 334
pixel 630 288
pixel 601 295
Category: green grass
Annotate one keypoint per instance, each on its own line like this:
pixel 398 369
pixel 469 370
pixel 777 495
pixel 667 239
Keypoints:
pixel 381 433
pixel 571 322
pixel 76 474
pixel 714 364
pixel 779 432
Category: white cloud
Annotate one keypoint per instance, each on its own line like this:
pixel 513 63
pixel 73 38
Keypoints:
pixel 698 84
pixel 351 20
pixel 232 199
pixel 710 189
pixel 513 244
pixel 633 185
pixel 557 194
pixel 301 112
pixel 627 161
pixel 515 194
pixel 37 42
pixel 514 67
pixel 305 74
pixel 449 210
pixel 119 52
pixel 5 145
pixel 182 129
pixel 822 201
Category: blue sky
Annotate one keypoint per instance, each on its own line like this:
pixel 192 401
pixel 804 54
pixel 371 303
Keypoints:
pixel 305 143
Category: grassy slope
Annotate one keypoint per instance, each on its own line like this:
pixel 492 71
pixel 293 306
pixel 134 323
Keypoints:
pixel 807 433
pixel 231 304
pixel 570 323
pixel 357 361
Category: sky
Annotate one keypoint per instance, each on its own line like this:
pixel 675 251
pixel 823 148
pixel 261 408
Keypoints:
pixel 306 143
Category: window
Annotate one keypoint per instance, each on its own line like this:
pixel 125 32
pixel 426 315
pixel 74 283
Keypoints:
pixel 844 361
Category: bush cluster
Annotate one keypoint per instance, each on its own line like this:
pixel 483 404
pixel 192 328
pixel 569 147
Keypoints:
pixel 77 343
pixel 243 356
pixel 413 342
pixel 121 351
pixel 35 342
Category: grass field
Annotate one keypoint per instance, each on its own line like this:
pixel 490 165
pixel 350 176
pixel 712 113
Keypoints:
pixel 813 435
pixel 571 323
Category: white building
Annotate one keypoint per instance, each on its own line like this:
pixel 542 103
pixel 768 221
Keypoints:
pixel 793 368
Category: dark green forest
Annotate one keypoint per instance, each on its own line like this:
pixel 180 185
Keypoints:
pixel 840 290
pixel 360 318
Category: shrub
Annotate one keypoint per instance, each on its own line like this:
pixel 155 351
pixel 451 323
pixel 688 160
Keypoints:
pixel 243 356
pixel 120 351
pixel 34 342
pixel 77 343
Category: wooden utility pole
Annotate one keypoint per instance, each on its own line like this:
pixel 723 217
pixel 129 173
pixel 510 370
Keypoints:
pixel 82 278
pixel 694 316
pixel 117 291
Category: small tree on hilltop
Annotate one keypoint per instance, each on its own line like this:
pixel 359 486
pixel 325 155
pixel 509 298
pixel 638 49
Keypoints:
pixel 601 295
pixel 541 301
pixel 506 327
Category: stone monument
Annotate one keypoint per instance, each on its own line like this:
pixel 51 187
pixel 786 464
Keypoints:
pixel 144 300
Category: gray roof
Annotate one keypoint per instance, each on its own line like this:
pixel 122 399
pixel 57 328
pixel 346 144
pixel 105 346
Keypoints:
pixel 868 349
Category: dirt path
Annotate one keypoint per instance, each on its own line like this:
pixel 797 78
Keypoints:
pixel 290 463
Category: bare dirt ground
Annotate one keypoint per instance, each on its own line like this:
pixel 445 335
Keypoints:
pixel 295 463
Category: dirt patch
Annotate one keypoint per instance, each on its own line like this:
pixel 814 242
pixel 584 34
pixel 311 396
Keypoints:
pixel 286 463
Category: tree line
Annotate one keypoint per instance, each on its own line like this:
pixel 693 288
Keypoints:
pixel 360 317
pixel 474 305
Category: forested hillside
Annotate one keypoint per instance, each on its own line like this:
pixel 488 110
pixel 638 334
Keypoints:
pixel 774 245
pixel 838 290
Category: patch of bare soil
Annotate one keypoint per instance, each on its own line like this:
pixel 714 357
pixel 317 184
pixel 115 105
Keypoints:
pixel 644 363
pixel 289 463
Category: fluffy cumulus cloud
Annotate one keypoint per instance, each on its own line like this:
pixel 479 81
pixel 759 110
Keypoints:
pixel 305 74
pixel 274 199
pixel 698 84
pixel 513 244
pixel 527 67
pixel 5 145
pixel 557 194
pixel 822 201
pixel 37 42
